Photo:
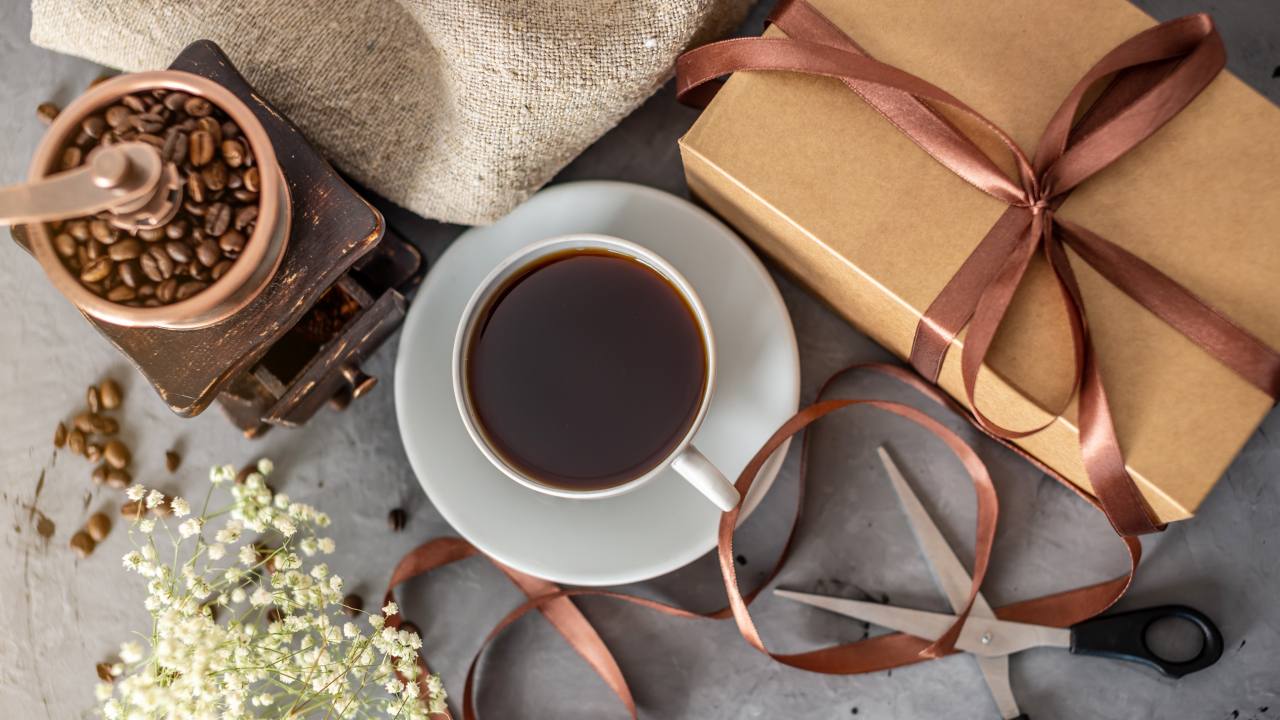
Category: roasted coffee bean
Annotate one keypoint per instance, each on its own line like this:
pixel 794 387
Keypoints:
pixel 197 107
pixel 251 177
pixel 129 273
pixel 248 156
pixel 153 140
pixel 105 673
pixel 274 615
pixel 97 269
pixel 208 253
pixel 220 269
pixel 118 116
pixel 84 422
pixel 230 130
pixel 146 290
pixel 233 152
pixel 164 508
pixel 71 157
pixel 82 544
pixel 176 99
pixel 117 454
pixel 93 452
pixel 126 135
pixel 151 234
pixel 218 219
pixel 95 287
pixel 134 103
pixel 103 425
pixel 210 609
pixel 126 249
pixel 151 302
pixel 195 209
pixel 201 148
pixel 79 230
pixel 99 474
pixel 198 271
pixel 94 126
pixel 166 290
pixel 187 289
pixel 213 127
pixel 60 436
pixel 196 187
pixel 150 268
pixel 65 245
pixel 111 395
pixel 47 112
pixel 235 180
pixel 118 479
pixel 175 148
pixel 215 175
pixel 121 293
pixel 164 264
pixel 396 519
pixel 231 242
pixel 75 442
pixel 133 510
pixel 171 461
pixel 410 627
pixel 104 232
pixel 99 526
pixel 178 250
pixel 352 605
pixel 245 196
pixel 176 230
pixel 246 215
pixel 83 141
pixel 94 250
pixel 92 399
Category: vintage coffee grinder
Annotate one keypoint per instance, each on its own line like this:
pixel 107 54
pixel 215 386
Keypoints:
pixel 315 291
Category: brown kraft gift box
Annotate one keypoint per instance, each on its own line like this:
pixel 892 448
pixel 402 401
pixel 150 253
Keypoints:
pixel 874 227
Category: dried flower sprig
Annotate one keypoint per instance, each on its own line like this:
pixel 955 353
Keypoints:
pixel 282 653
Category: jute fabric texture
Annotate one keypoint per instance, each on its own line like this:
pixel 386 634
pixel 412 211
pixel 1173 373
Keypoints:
pixel 456 109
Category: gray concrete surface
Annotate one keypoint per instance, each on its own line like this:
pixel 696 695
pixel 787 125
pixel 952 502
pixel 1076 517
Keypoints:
pixel 59 615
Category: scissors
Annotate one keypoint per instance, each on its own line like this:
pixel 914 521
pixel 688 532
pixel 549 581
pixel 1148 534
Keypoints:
pixel 1121 636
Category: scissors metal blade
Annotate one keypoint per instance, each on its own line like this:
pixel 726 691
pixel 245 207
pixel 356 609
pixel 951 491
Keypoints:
pixel 987 637
pixel 956 583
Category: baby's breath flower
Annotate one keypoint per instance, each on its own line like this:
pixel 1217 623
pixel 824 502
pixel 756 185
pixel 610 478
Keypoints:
pixel 350 630
pixel 335 583
pixel 190 527
pixel 111 709
pixel 133 560
pixel 326 545
pixel 395 686
pixel 322 520
pixel 308 546
pixel 154 498
pixel 281 501
pixel 248 556
pixel 376 621
pixel 181 507
pixel 237 595
pixel 286 526
pixel 147 526
pixel 261 596
pixel 219 474
pixel 135 492
pixel 320 571
pixel 102 691
pixel 131 652
pixel 265 466
pixel 390 609
pixel 217 551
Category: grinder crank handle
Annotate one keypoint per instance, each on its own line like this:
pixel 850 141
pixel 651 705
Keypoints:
pixel 121 178
pixel 1123 636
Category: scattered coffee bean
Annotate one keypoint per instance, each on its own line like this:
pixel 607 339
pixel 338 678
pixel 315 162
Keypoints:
pixel 117 454
pixel 93 399
pixel 352 605
pixel 60 436
pixel 93 452
pixel 133 510
pixel 119 479
pixel 111 395
pixel 75 442
pixel 47 112
pixel 99 475
pixel 104 672
pixel 102 425
pixel 171 461
pixel 83 422
pixel 99 526
pixel 396 519
pixel 82 544
pixel 99 80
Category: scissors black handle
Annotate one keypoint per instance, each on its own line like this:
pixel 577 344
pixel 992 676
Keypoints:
pixel 1123 636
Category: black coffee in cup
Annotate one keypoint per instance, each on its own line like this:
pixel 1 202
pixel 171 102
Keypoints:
pixel 586 370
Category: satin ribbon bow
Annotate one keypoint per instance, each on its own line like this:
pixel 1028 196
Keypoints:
pixel 1157 73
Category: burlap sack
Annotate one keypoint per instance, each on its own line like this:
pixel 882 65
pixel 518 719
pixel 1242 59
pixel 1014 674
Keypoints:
pixel 456 109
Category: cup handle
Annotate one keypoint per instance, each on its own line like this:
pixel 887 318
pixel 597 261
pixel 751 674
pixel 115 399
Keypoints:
pixel 698 470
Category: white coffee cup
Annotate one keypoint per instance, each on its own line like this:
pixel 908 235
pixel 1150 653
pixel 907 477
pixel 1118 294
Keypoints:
pixel 684 458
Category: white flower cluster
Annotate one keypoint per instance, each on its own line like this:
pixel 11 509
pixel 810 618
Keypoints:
pixel 281 654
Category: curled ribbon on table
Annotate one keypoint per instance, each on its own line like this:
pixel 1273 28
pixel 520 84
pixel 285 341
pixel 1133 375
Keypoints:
pixel 870 655
pixel 1157 73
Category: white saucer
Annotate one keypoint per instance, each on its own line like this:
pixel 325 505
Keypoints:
pixel 665 524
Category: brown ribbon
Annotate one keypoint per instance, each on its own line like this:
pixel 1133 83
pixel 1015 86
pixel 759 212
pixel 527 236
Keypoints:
pixel 1157 73
pixel 879 653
